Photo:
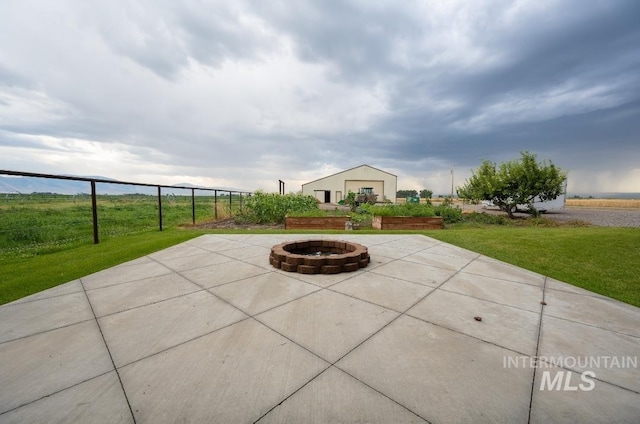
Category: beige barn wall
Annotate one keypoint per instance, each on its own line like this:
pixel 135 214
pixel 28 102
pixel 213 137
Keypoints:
pixel 383 183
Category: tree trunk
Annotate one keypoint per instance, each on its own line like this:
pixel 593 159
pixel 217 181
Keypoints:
pixel 506 208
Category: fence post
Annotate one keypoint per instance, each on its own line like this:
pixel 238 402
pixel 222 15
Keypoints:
pixel 215 204
pixel 231 203
pixel 160 208
pixel 94 212
pixel 193 206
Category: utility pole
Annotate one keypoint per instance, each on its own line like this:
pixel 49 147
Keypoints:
pixel 452 183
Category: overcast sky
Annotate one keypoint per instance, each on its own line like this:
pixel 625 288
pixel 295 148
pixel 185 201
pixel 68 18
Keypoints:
pixel 243 93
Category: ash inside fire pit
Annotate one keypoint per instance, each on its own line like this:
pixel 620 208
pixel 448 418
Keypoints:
pixel 319 256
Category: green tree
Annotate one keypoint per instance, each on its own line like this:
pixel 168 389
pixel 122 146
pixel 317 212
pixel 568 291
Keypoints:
pixel 513 183
pixel 426 194
pixel 406 193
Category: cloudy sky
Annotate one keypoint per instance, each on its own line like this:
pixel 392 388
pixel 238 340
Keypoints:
pixel 243 93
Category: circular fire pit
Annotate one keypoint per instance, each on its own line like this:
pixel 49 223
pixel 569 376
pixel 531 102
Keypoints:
pixel 319 256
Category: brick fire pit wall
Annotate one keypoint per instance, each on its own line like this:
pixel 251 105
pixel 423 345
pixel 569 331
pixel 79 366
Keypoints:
pixel 319 256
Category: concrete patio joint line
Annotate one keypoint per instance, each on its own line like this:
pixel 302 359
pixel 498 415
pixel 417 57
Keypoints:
pixel 350 375
pixel 469 335
pixel 504 279
pixel 594 326
pixel 488 300
pixel 153 303
pixel 55 393
pixel 184 342
pixel 378 391
pixel 403 313
pixel 533 378
pixel 46 331
pixel 124 392
pixel 292 393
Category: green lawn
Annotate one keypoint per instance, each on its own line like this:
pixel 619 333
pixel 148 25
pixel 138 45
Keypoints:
pixel 34 222
pixel 603 260
pixel 600 259
pixel 22 276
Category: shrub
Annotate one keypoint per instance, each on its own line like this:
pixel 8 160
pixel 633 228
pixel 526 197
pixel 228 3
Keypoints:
pixel 271 208
pixel 408 209
pixel 449 214
pixel 350 200
pixel 485 218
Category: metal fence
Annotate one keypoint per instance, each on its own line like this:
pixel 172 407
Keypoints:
pixel 72 208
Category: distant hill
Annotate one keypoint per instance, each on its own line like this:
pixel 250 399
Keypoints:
pixel 28 185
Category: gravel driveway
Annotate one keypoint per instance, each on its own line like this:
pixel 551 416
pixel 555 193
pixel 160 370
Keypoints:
pixel 603 217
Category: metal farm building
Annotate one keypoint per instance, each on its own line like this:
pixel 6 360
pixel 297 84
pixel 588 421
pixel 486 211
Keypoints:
pixel 363 178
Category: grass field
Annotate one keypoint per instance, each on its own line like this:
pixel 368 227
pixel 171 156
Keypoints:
pixel 604 203
pixel 33 224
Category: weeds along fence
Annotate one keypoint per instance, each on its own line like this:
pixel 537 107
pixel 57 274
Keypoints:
pixel 45 211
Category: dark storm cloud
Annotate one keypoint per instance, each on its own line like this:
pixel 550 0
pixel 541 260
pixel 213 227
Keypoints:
pixel 166 38
pixel 357 39
pixel 567 58
pixel 259 91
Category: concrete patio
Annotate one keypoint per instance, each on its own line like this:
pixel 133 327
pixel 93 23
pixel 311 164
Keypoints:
pixel 207 331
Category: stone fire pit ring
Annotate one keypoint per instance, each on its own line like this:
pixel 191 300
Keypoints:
pixel 319 256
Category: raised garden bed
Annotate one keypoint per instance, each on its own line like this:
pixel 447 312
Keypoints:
pixel 407 222
pixel 316 222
